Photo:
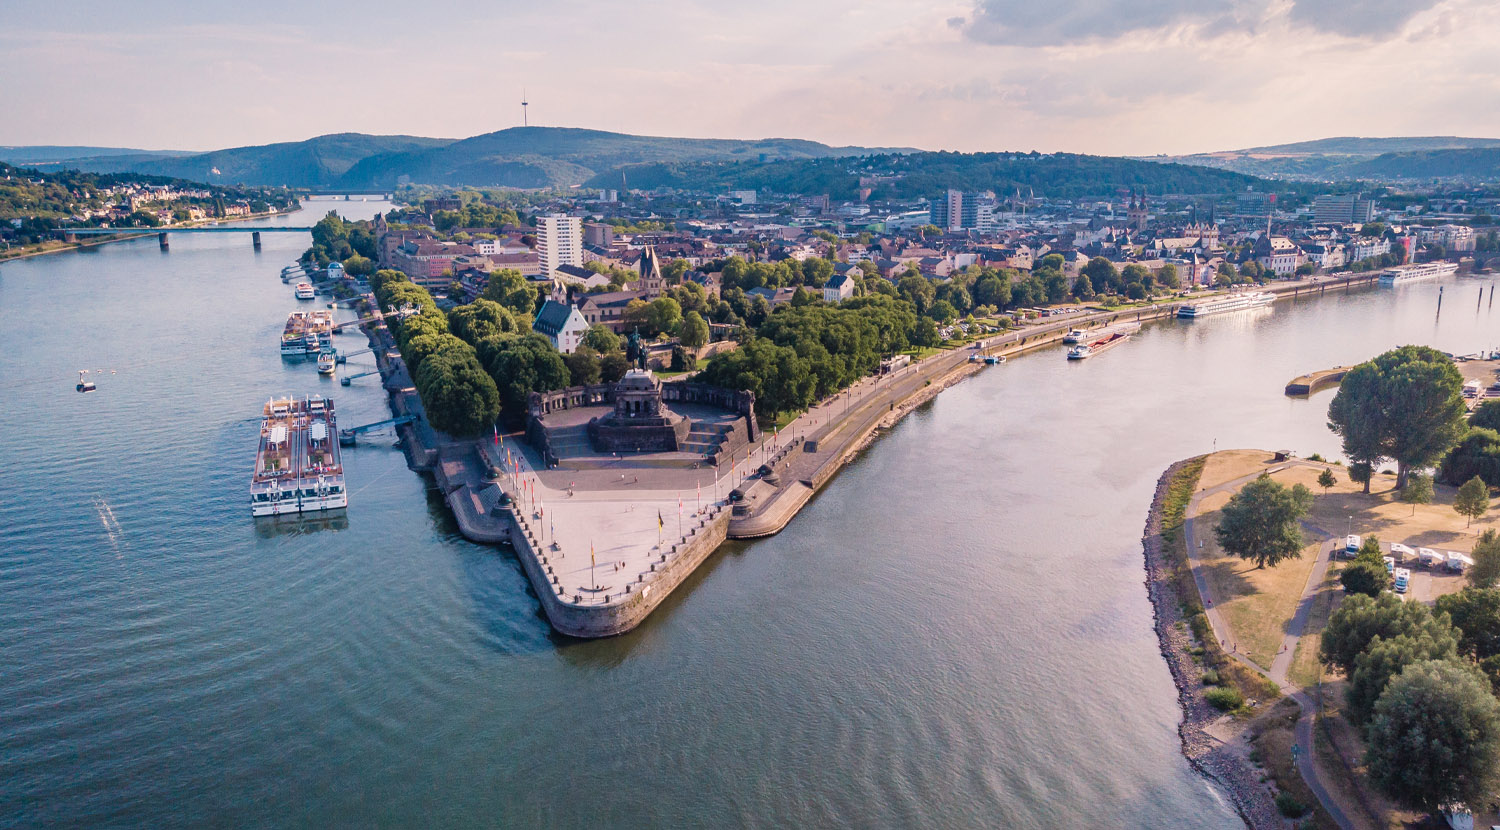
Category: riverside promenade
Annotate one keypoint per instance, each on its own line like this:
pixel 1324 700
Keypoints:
pixel 603 547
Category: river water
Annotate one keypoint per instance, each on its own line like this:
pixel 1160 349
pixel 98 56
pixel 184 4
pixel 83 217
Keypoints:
pixel 955 633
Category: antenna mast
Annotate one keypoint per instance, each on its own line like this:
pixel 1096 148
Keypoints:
pixel 525 120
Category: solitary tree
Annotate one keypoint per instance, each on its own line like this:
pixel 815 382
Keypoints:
pixel 1260 522
pixel 1472 499
pixel 1360 472
pixel 1435 736
pixel 1406 404
pixel 1418 490
pixel 1326 480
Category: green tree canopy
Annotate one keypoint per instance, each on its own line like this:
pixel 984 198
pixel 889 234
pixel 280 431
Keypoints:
pixel 482 320
pixel 1476 616
pixel 1360 619
pixel 1260 522
pixel 1383 659
pixel 1326 480
pixel 601 339
pixel 1486 570
pixel 1435 737
pixel 1472 499
pixel 1418 490
pixel 1486 415
pixel 1368 578
pixel 1407 405
pixel 1477 454
pixel 694 333
pixel 509 288
pixel 523 365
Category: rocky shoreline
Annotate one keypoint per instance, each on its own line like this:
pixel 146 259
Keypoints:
pixel 1236 778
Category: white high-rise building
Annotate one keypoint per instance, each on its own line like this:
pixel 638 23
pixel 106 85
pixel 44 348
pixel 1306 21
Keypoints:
pixel 559 241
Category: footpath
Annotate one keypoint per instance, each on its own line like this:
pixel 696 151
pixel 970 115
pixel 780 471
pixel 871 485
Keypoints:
pixel 1281 665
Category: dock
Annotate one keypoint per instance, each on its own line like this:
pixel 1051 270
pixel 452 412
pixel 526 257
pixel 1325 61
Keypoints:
pixel 1314 381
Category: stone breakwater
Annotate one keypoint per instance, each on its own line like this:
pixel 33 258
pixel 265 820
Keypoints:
pixel 1233 773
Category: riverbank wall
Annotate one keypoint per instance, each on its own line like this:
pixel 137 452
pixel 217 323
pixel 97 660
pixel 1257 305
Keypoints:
pixel 591 617
pixel 7 256
pixel 1239 782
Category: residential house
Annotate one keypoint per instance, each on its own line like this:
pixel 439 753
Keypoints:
pixel 563 324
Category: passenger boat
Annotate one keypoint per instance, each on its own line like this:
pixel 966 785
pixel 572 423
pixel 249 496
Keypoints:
pixel 1224 305
pixel 327 361
pixel 1403 274
pixel 305 291
pixel 297 467
pixel 84 385
pixel 1084 351
pixel 306 333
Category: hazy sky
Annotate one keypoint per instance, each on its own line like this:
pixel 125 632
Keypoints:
pixel 1126 77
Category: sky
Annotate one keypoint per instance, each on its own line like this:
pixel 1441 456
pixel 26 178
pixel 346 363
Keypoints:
pixel 1132 77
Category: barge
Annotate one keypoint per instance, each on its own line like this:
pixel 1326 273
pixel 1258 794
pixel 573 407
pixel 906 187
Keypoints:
pixel 306 333
pixel 1084 351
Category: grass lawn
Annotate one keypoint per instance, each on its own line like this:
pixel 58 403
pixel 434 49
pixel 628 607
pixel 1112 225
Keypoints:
pixel 1306 671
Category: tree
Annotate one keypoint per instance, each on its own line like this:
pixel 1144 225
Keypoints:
pixel 1167 276
pixel 1360 619
pixel 1260 522
pixel 1384 659
pixel 1477 454
pixel 522 365
pixel 1472 500
pixel 482 320
pixel 1368 578
pixel 1476 616
pixel 613 366
pixel 1486 415
pixel 1360 472
pixel 509 288
pixel 359 266
pixel 1326 480
pixel 583 366
pixel 1418 490
pixel 1486 569
pixel 1083 287
pixel 694 334
pixel 458 396
pixel 1102 275
pixel 1407 404
pixel 601 339
pixel 1435 737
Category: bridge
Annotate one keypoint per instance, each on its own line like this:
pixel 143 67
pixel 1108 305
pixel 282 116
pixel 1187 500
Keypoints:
pixel 383 194
pixel 72 234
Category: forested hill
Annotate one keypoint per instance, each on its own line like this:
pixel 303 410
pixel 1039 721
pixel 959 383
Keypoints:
pixel 911 175
pixel 1480 164
pixel 564 156
pixel 1351 158
pixel 314 163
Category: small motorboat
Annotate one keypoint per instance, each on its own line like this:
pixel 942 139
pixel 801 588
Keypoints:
pixel 327 361
pixel 84 385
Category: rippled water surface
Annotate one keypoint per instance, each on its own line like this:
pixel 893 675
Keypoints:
pixel 954 634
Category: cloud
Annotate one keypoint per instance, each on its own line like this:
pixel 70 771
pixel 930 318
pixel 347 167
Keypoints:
pixel 1063 22
pixel 1358 18
pixel 1029 23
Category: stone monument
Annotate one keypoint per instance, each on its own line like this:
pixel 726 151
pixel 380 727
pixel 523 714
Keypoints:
pixel 639 422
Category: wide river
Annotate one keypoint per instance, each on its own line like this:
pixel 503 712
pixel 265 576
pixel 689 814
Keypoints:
pixel 955 633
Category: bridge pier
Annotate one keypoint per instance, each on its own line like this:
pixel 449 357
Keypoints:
pixel 161 239
pixel 255 240
pixel 70 237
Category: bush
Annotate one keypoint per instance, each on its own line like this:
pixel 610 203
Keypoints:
pixel 1289 805
pixel 1211 678
pixel 1224 698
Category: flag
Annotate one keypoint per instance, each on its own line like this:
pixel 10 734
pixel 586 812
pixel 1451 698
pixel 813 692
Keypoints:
pixel 591 553
pixel 659 523
pixel 497 434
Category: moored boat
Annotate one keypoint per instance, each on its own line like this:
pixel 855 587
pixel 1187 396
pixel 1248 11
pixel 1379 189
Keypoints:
pixel 1084 351
pixel 1224 305
pixel 327 361
pixel 305 291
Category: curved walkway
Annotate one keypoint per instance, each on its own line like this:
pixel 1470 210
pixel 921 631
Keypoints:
pixel 1283 662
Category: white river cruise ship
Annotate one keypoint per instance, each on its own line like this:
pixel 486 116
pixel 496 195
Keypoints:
pixel 1223 305
pixel 297 468
pixel 1402 274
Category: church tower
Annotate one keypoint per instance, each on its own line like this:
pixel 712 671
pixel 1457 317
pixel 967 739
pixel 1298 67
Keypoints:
pixel 1135 214
pixel 651 282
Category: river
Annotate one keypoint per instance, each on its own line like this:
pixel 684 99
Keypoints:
pixel 955 633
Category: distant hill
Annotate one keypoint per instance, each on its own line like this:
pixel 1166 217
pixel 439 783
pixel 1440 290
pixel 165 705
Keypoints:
pixel 1350 158
pixel 45 153
pixel 1479 164
pixel 316 162
pixel 564 156
pixel 911 175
